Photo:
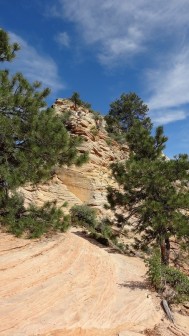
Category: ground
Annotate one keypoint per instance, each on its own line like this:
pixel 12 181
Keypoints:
pixel 67 285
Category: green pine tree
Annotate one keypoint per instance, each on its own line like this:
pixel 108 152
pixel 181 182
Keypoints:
pixel 33 139
pixel 124 112
pixel 154 189
pixel 7 50
pixel 75 98
pixel 142 144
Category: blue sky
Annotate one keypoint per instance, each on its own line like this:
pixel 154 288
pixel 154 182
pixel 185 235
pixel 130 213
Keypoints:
pixel 105 48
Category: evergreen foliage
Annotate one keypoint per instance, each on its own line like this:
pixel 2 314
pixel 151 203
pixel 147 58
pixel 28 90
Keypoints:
pixel 83 215
pixel 7 50
pixel 75 98
pixel 162 276
pixel 142 144
pixel 33 139
pixel 153 189
pixel 86 217
pixel 124 112
pixel 33 221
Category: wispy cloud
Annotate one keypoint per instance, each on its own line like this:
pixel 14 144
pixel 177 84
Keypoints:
pixel 63 39
pixel 35 66
pixel 119 30
pixel 160 117
pixel 123 28
pixel 169 89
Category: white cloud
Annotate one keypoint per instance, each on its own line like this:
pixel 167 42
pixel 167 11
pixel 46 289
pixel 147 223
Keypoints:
pixel 63 39
pixel 118 30
pixel 160 117
pixel 169 89
pixel 123 28
pixel 35 66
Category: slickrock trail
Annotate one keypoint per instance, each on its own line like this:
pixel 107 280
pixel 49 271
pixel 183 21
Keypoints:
pixel 66 285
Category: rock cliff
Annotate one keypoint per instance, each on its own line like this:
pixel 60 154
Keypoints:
pixel 86 184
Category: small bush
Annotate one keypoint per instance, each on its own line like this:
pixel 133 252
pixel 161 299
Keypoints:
pixel 99 238
pixel 155 270
pixel 94 131
pixel 96 115
pixel 106 230
pixel 75 98
pixel 178 281
pixel 83 215
pixel 34 221
pixel 109 141
pixel 161 275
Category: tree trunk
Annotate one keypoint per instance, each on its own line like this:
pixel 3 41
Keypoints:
pixel 165 251
pixel 167 310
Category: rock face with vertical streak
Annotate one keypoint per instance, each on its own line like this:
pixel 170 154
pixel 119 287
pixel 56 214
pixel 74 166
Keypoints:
pixel 86 184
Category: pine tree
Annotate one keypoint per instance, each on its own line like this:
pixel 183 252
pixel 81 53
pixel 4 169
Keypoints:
pixel 154 190
pixel 75 98
pixel 7 50
pixel 125 111
pixel 33 139
pixel 143 144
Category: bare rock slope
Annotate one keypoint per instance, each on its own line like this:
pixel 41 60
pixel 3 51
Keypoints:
pixel 68 286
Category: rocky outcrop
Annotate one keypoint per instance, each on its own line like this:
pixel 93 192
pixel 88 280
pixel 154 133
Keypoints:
pixel 86 184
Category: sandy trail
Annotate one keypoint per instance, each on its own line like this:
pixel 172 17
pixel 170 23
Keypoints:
pixel 67 286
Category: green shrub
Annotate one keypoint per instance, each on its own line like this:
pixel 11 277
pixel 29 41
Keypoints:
pixel 117 136
pixel 96 115
pixel 178 281
pixel 75 98
pixel 101 231
pixel 155 270
pixel 83 215
pixel 99 237
pixel 109 141
pixel 106 230
pixel 161 275
pixel 34 221
pixel 94 131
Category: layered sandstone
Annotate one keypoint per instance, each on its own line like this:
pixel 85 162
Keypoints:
pixel 67 286
pixel 86 184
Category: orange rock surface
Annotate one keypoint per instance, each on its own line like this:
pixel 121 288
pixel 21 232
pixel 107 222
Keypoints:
pixel 68 286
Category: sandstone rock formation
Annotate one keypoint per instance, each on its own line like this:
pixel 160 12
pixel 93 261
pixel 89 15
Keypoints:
pixel 66 285
pixel 86 184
